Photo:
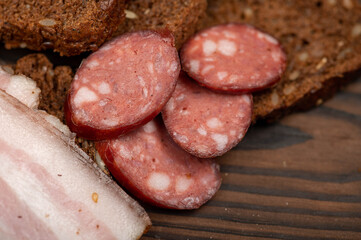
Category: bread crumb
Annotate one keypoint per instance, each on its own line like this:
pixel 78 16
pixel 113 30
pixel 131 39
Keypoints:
pixel 47 22
pixel 289 89
pixel 331 2
pixel 294 75
pixel 248 12
pixel 274 99
pixel 347 4
pixel 130 14
pixel 356 30
pixel 303 56
pixel 321 63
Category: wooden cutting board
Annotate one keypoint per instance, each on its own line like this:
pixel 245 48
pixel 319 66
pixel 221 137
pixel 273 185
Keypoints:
pixel 299 178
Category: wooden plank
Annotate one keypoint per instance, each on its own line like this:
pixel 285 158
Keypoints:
pixel 299 178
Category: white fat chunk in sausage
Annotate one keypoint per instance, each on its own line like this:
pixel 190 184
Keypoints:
pixel 276 56
pixel 150 127
pixel 124 152
pixel 193 49
pixel 209 47
pixel 233 78
pixel 145 107
pixel 221 140
pixel 158 87
pixel 240 114
pixel 267 37
pixel 83 95
pixel 181 138
pixel 141 81
pixel 194 66
pixel 180 97
pixel 145 92
pixel 104 88
pixel 229 34
pixel 150 66
pixel 103 102
pixel 246 98
pixel 170 105
pixel 93 64
pixel 202 131
pixel 110 122
pixel 159 181
pixel 209 59
pixel 222 75
pixel 214 123
pixel 174 66
pixel 227 48
pixel 184 112
pixel 255 76
pixel 232 132
pixel 183 183
pixel 207 68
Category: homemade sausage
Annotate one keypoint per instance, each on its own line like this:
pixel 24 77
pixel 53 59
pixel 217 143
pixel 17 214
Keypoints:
pixel 123 85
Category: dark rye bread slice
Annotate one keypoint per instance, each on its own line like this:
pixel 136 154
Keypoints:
pixel 179 16
pixel 68 27
pixel 322 39
pixel 53 82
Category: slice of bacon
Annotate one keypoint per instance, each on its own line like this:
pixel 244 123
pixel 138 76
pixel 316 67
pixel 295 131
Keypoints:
pixel 50 189
pixel 20 87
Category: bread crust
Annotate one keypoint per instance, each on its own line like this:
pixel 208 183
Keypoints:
pixel 318 64
pixel 68 27
pixel 181 17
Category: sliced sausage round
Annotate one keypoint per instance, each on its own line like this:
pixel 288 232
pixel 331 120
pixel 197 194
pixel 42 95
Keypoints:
pixel 233 58
pixel 205 123
pixel 122 85
pixel 151 166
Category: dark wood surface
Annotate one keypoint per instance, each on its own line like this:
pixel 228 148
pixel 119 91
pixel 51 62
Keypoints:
pixel 299 178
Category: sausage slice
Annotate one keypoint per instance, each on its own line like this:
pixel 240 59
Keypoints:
pixel 151 166
pixel 123 85
pixel 233 58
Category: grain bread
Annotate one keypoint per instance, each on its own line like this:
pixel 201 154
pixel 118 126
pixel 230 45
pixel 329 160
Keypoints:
pixel 68 27
pixel 53 82
pixel 322 39
pixel 322 48
pixel 179 16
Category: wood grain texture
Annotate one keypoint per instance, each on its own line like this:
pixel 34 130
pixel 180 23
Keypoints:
pixel 299 178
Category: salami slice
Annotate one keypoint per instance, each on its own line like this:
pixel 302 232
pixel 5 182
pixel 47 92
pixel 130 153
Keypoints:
pixel 123 85
pixel 233 58
pixel 150 165
pixel 204 123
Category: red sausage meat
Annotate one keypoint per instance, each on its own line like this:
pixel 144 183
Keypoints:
pixel 205 123
pixel 122 85
pixel 150 165
pixel 233 58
